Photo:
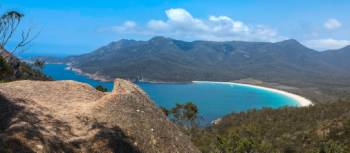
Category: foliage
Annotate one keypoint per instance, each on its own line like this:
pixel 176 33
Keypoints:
pixel 5 69
pixel 183 114
pixel 165 111
pixel 17 70
pixel 4 147
pixel 323 128
pixel 235 143
pixel 101 88
pixel 332 147
pixel 11 68
pixel 39 64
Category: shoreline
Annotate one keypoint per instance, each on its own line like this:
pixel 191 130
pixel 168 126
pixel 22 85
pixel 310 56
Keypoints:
pixel 95 76
pixel 302 101
pixel 101 78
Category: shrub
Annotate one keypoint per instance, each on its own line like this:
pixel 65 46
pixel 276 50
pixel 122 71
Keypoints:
pixel 101 88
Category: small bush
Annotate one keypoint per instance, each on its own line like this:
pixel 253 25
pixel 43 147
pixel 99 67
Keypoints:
pixel 101 88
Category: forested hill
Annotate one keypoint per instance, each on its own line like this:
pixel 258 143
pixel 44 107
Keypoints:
pixel 12 68
pixel 165 59
pixel 323 128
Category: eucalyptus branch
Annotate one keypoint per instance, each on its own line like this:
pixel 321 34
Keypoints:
pixel 25 40
pixel 9 24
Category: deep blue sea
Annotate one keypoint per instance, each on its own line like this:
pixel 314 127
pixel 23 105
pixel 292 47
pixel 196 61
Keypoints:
pixel 214 100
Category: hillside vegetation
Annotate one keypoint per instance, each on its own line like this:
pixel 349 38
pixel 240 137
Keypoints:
pixel 323 128
pixel 13 69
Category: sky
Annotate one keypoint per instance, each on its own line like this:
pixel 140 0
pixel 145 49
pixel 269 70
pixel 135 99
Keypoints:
pixel 80 26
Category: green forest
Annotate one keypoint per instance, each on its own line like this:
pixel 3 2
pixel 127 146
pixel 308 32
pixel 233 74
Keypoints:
pixel 323 128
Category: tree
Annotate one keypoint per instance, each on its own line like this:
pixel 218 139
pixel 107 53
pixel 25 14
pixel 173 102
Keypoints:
pixel 5 69
pixel 185 114
pixel 9 23
pixel 101 88
pixel 39 64
pixel 332 147
pixel 165 111
pixel 235 143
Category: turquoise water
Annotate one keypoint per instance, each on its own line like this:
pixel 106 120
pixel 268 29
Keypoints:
pixel 214 100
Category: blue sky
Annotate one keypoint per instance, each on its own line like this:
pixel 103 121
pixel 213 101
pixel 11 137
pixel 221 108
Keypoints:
pixel 74 27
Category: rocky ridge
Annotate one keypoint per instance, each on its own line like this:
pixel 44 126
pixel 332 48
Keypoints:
pixel 68 116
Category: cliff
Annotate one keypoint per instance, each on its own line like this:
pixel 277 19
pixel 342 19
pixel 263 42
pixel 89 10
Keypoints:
pixel 68 116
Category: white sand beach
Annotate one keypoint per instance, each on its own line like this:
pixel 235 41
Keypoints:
pixel 302 101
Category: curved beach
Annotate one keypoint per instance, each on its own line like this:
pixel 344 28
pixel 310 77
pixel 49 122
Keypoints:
pixel 302 101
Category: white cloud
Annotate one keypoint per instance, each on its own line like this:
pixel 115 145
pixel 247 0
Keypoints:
pixel 332 24
pixel 126 26
pixel 323 44
pixel 158 25
pixel 181 24
pixel 179 15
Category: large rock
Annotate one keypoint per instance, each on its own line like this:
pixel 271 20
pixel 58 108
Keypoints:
pixel 68 116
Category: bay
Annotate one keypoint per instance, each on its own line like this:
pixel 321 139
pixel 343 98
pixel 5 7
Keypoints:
pixel 214 100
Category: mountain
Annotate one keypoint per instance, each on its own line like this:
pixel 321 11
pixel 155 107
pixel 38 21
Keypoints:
pixel 339 57
pixel 164 59
pixel 68 116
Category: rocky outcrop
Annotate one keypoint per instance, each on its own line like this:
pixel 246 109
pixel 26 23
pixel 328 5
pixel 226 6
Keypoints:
pixel 68 116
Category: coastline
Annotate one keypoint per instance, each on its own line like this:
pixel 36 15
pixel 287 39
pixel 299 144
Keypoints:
pixel 302 101
pixel 95 76
pixel 99 77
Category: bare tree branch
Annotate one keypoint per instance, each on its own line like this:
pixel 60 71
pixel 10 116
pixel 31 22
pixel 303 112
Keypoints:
pixel 25 40
pixel 9 23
